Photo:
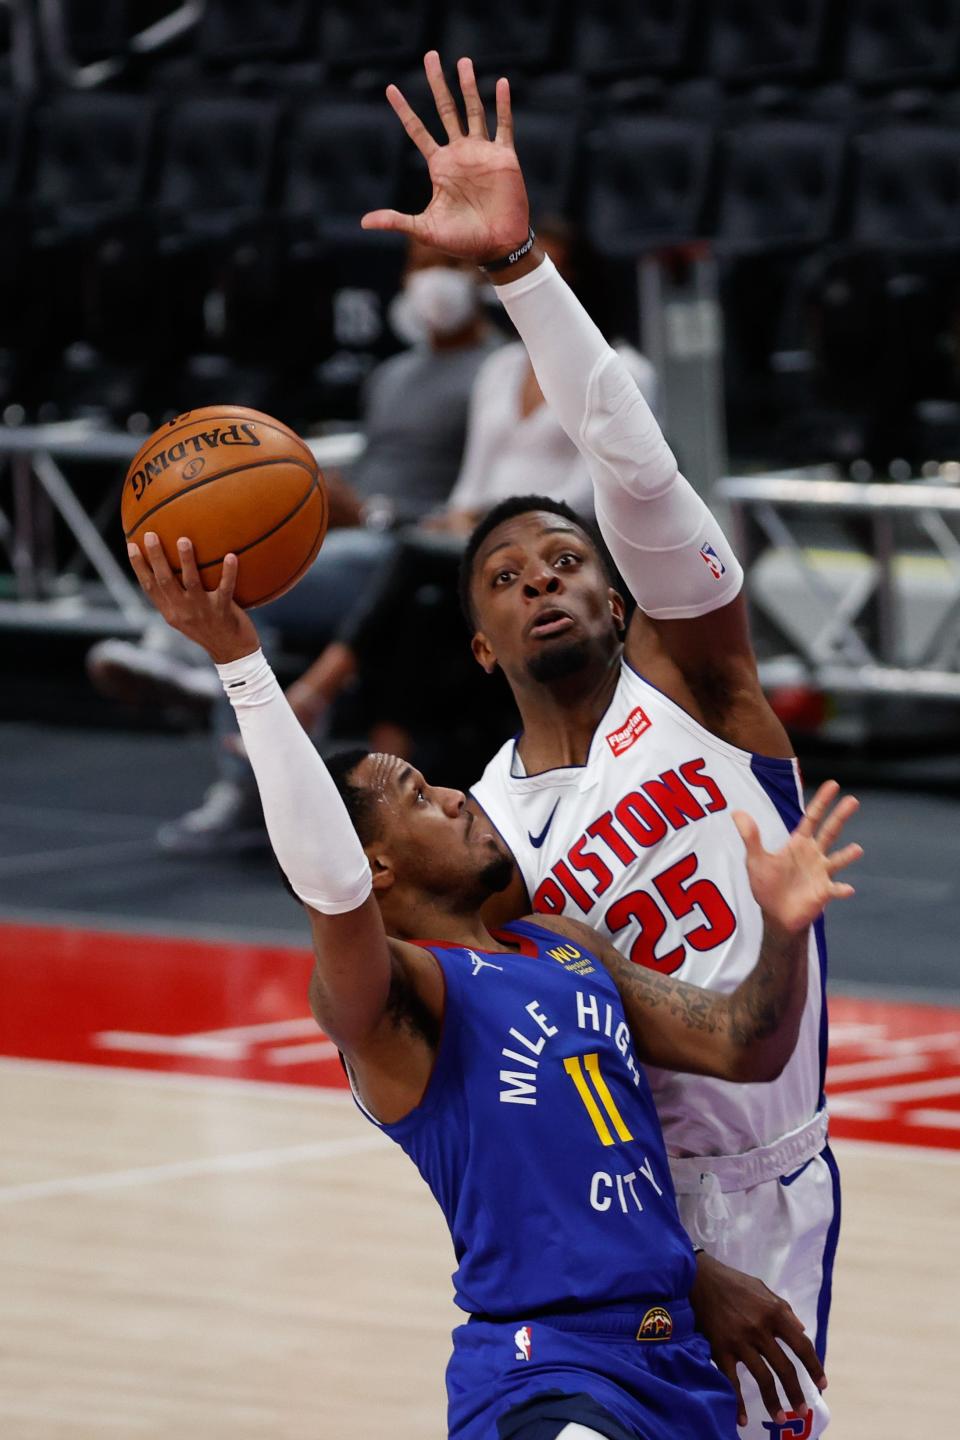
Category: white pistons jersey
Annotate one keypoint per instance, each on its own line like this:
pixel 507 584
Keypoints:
pixel 639 843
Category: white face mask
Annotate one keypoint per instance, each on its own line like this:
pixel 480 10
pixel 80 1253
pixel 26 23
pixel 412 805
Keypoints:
pixel 436 301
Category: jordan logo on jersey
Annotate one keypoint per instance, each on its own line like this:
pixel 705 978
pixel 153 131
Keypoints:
pixel 636 723
pixel 479 964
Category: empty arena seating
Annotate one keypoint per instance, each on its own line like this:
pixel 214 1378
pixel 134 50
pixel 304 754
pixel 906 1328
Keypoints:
pixel 195 170
pixel 90 155
pixel 645 184
pixel 368 33
pixel 502 34
pixel 232 31
pixel 889 43
pixel 617 37
pixel 907 189
pixel 343 158
pixel 779 186
pixel 748 41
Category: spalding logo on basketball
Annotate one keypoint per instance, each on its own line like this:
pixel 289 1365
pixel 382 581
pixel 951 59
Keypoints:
pixel 230 479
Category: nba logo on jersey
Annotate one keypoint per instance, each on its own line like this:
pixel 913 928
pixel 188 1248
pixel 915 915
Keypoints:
pixel 712 561
pixel 523 1339
pixel 795 1427
pixel 620 740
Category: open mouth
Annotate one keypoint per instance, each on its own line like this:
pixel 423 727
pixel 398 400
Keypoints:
pixel 549 622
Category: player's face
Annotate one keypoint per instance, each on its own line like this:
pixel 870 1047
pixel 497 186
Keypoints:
pixel 433 842
pixel 542 600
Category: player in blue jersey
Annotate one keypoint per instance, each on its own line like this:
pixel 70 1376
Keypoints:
pixel 507 1065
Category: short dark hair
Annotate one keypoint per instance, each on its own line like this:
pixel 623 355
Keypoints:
pixel 507 510
pixel 342 764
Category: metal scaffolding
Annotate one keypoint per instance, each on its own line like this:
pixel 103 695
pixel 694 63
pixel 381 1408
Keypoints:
pixel 860 582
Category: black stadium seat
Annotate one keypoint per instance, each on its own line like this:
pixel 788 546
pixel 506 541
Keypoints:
pixel 502 34
pixel 779 186
pixel 343 158
pixel 547 144
pixel 152 277
pixel 617 37
pixel 89 156
pixel 645 184
pixel 12 131
pixel 217 163
pixel 751 41
pixel 306 270
pixel 367 33
pixel 91 153
pixel 232 31
pixel 906 192
pixel 890 43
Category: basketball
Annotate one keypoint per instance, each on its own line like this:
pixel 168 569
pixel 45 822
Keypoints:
pixel 231 479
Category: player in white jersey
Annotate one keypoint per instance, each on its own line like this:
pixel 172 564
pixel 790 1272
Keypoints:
pixel 639 741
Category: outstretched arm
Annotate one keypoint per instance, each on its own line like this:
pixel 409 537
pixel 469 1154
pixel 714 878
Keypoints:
pixel 749 1034
pixel 668 546
pixel 360 975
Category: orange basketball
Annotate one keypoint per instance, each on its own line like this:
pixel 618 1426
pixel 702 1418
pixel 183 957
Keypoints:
pixel 230 479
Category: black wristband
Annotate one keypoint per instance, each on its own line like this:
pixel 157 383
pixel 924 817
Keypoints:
pixel 515 255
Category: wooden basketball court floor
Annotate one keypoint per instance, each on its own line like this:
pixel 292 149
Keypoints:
pixel 201 1237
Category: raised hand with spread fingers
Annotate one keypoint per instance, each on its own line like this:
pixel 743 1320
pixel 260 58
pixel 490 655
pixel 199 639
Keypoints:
pixel 479 209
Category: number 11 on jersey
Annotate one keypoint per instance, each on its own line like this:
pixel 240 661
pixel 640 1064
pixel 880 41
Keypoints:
pixel 575 1070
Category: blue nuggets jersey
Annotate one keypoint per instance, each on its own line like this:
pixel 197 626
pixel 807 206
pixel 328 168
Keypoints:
pixel 538 1136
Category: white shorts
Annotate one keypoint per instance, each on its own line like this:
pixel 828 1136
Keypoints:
pixel 785 1232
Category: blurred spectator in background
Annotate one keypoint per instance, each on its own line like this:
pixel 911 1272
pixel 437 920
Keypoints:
pixel 414 417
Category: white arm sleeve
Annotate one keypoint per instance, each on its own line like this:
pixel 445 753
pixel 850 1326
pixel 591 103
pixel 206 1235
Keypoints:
pixel 668 547
pixel 311 833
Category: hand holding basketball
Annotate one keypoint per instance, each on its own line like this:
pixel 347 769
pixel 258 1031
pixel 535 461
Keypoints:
pixel 479 206
pixel 212 618
pixel 235 481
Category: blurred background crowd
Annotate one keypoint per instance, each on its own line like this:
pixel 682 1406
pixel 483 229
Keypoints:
pixel 758 201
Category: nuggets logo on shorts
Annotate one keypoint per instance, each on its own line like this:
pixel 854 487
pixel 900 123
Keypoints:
pixel 523 1339
pixel 657 1324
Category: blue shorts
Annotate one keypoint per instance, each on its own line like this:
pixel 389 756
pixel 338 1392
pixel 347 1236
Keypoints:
pixel 658 1388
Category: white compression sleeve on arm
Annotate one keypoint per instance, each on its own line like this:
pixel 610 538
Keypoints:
pixel 310 831
pixel 669 548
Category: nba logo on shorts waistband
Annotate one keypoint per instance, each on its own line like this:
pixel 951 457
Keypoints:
pixel 712 561
pixel 523 1339
pixel 657 1324
pixel 621 740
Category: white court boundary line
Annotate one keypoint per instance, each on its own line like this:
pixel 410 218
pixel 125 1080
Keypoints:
pixel 234 1086
pixel 240 1163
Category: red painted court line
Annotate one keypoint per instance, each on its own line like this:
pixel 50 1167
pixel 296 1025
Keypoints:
pixel 160 1004
pixel 240 1012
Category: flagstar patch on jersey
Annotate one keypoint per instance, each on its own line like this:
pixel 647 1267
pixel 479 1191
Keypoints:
pixel 637 722
pixel 712 561
pixel 657 1324
pixel 523 1339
